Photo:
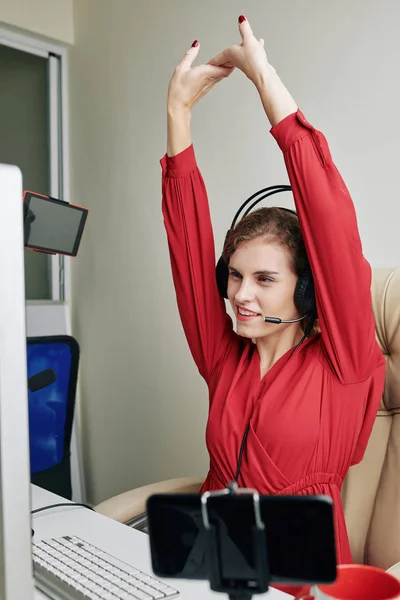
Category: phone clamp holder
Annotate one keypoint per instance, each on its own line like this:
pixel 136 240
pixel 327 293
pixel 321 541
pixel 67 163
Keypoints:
pixel 239 588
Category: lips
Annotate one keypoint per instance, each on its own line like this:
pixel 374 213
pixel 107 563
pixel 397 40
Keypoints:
pixel 244 314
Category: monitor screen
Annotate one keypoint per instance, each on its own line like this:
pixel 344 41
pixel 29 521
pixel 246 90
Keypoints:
pixel 53 225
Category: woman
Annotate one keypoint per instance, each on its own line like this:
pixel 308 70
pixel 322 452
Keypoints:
pixel 307 404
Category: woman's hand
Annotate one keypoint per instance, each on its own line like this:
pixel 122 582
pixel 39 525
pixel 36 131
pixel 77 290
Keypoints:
pixel 249 56
pixel 188 84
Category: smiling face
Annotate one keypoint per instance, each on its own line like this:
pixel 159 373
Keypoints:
pixel 261 283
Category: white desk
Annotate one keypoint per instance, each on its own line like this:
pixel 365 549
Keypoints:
pixel 124 543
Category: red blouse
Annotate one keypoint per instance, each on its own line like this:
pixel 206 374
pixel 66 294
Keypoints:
pixel 312 413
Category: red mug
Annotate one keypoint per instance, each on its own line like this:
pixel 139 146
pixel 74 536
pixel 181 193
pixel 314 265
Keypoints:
pixel 357 582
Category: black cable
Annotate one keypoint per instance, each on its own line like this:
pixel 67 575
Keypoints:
pixel 246 433
pixel 70 504
pixel 305 336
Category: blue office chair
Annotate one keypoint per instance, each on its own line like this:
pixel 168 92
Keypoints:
pixel 52 363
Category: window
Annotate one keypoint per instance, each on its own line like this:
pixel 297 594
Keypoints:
pixel 32 129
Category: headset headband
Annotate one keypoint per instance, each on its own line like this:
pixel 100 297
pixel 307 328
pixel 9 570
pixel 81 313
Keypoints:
pixel 270 191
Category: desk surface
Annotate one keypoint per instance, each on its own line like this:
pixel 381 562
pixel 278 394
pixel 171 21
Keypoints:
pixel 124 543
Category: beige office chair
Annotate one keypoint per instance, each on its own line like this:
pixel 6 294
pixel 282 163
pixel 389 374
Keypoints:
pixel 371 491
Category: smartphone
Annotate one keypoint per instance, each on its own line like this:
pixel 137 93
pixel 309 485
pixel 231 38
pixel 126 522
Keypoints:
pixel 299 537
pixel 52 225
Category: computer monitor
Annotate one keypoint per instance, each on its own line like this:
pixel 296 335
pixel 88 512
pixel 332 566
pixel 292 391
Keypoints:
pixel 16 578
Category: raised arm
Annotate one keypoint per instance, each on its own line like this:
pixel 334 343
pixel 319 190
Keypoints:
pixel 327 217
pixel 187 221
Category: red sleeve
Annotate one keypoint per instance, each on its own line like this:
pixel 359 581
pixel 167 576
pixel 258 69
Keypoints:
pixel 342 276
pixel 186 213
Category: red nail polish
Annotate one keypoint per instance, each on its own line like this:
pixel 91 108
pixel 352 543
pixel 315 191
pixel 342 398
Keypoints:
pixel 195 44
pixel 241 19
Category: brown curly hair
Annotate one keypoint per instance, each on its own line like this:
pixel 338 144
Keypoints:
pixel 274 225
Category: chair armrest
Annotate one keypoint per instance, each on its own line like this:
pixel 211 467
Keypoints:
pixel 395 570
pixel 131 504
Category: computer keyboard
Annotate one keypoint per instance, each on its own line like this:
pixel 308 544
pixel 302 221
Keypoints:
pixel 72 569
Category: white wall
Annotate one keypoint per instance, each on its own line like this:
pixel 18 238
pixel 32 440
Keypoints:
pixel 143 403
pixel 49 18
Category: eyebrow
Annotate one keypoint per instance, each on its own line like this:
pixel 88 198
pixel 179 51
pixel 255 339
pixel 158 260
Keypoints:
pixel 266 272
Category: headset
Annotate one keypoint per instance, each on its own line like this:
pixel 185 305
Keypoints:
pixel 304 294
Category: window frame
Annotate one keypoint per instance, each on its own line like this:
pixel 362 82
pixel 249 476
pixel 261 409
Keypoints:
pixel 60 271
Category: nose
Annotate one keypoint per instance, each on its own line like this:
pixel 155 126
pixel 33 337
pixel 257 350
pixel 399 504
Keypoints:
pixel 245 292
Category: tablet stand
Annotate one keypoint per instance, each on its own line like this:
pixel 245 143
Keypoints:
pixel 239 589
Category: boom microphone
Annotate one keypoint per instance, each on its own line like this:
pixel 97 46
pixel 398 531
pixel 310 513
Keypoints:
pixel 276 320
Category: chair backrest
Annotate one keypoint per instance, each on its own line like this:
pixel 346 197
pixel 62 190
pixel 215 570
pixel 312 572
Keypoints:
pixel 51 410
pixel 371 491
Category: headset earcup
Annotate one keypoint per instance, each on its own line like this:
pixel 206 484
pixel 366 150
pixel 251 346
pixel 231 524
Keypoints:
pixel 222 273
pixel 304 295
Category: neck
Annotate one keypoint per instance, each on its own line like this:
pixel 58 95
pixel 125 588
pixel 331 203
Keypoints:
pixel 271 347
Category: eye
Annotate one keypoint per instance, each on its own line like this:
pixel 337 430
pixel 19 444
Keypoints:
pixel 265 279
pixel 234 274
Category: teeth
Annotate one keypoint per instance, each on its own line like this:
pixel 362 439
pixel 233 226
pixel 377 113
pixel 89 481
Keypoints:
pixel 246 313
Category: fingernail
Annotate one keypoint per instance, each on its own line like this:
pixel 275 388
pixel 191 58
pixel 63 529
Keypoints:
pixel 241 19
pixel 195 44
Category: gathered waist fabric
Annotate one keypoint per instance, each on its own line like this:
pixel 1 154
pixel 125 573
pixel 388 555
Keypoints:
pixel 300 487
pixel 315 484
